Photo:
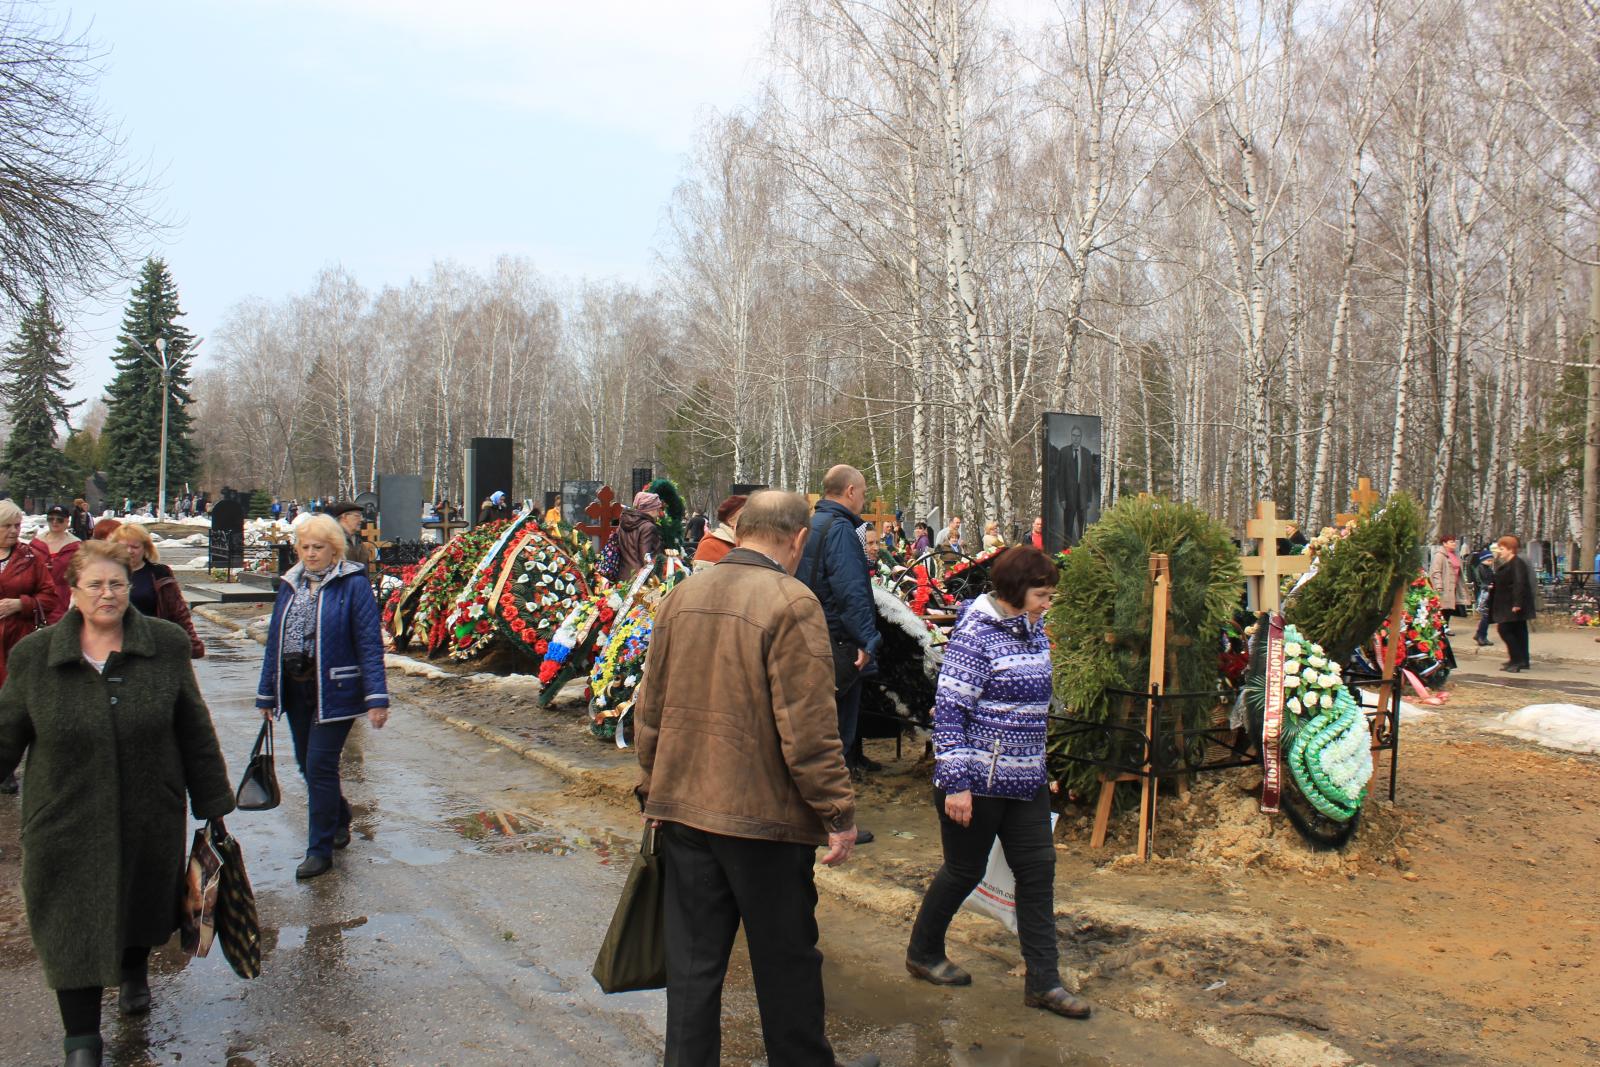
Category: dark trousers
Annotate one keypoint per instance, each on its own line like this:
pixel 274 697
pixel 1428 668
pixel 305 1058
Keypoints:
pixel 80 1008
pixel 712 883
pixel 1515 637
pixel 1483 626
pixel 848 701
pixel 317 747
pixel 1023 827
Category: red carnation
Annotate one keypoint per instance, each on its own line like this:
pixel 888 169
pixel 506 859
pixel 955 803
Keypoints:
pixel 483 626
pixel 547 672
pixel 542 647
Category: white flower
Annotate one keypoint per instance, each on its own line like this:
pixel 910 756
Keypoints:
pixel 1291 681
pixel 1293 704
pixel 1291 650
pixel 1291 666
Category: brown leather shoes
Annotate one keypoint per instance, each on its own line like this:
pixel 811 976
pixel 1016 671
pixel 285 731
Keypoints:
pixel 942 973
pixel 1059 1001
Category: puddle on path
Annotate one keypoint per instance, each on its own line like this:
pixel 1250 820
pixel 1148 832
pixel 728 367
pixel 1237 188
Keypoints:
pixel 509 830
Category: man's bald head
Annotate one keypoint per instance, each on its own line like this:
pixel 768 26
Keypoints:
pixel 846 485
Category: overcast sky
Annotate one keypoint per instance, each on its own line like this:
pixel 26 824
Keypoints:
pixel 384 134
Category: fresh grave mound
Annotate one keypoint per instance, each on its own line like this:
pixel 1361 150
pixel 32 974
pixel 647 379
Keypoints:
pixel 1220 826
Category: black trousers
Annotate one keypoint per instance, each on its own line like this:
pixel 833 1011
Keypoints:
pixel 1023 827
pixel 1515 637
pixel 712 883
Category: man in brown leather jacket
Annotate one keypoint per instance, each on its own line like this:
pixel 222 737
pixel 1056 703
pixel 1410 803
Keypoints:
pixel 739 747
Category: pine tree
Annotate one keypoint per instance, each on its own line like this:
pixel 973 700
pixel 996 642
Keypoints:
pixel 35 377
pixel 132 432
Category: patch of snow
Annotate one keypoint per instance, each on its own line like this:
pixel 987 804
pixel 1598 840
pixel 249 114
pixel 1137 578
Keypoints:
pixel 1410 712
pixel 407 665
pixel 1570 727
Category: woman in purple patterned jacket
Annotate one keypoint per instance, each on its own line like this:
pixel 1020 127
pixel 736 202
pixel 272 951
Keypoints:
pixel 989 776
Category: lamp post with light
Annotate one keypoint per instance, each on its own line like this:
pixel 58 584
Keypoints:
pixel 165 366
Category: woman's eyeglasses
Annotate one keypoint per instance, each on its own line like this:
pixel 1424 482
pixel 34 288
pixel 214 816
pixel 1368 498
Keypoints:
pixel 102 588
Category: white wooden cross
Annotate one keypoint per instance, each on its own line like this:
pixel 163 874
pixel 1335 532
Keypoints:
pixel 1264 571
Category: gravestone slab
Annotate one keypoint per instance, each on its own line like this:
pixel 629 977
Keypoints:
pixel 576 496
pixel 400 507
pixel 225 546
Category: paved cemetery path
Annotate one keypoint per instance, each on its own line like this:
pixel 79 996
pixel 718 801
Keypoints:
pixel 460 925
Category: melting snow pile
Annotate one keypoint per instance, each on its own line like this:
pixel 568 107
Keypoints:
pixel 1572 727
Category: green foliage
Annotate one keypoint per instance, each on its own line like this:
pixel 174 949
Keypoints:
pixel 691 453
pixel 1100 621
pixel 133 399
pixel 671 523
pixel 1357 577
pixel 34 374
pixel 85 453
pixel 1552 450
pixel 260 504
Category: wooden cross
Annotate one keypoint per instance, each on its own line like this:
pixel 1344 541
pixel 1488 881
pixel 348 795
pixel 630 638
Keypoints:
pixel 880 513
pixel 605 511
pixel 446 525
pixel 1363 496
pixel 1264 570
pixel 812 498
pixel 275 536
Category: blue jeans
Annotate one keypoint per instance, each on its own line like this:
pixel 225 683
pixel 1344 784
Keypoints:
pixel 317 747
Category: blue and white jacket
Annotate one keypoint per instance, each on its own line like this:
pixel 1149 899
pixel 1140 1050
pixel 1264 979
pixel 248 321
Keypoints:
pixel 350 678
pixel 990 713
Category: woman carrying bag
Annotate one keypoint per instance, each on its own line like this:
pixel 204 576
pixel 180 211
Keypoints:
pixel 106 707
pixel 989 776
pixel 323 668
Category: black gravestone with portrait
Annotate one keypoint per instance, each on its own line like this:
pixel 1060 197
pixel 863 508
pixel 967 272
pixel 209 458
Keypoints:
pixel 575 496
pixel 1071 486
pixel 489 470
pixel 225 547
pixel 642 477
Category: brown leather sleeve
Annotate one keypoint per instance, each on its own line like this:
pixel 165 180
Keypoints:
pixel 800 675
pixel 171 606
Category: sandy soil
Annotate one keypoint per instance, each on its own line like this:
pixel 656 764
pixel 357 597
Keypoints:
pixel 1458 927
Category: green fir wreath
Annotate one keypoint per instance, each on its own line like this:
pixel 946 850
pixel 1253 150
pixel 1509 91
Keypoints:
pixel 1100 621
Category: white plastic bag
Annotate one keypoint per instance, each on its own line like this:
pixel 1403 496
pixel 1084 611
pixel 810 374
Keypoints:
pixel 996 895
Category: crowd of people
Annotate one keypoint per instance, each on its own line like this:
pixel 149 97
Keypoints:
pixel 746 720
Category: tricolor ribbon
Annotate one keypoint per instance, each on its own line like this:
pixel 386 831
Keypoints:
pixel 1272 723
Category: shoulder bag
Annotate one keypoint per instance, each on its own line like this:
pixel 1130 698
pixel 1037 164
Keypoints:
pixel 258 789
pixel 634 953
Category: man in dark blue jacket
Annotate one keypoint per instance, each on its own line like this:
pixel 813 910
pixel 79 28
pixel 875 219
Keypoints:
pixel 835 567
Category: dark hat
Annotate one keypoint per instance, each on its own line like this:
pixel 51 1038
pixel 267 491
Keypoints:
pixel 341 507
pixel 59 509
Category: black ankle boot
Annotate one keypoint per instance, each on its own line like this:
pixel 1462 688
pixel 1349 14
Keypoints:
pixel 83 1051
pixel 134 997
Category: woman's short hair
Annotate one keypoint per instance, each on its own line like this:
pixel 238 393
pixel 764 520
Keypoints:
pixel 1510 541
pixel 9 512
pixel 103 529
pixel 79 502
pixel 1017 570
pixel 91 552
pixel 320 527
pixel 1448 537
pixel 130 533
pixel 731 507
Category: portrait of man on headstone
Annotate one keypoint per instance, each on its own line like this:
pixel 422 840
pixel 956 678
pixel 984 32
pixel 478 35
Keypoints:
pixel 1071 477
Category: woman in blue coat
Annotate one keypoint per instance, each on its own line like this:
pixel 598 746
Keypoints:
pixel 323 668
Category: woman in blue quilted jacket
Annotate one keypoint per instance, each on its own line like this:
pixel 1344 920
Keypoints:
pixel 323 669
pixel 989 780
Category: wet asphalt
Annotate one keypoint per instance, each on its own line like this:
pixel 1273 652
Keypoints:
pixel 438 939
pixel 460 926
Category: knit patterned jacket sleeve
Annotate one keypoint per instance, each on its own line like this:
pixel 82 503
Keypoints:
pixel 962 677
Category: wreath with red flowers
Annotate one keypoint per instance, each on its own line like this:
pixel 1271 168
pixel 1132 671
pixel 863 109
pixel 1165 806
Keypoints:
pixel 543 582
pixel 446 580
pixel 1424 623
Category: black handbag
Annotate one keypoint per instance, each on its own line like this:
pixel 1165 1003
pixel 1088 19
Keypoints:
pixel 258 789
pixel 237 925
pixel 634 953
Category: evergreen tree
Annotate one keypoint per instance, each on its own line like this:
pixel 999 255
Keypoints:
pixel 132 434
pixel 35 377
pixel 260 505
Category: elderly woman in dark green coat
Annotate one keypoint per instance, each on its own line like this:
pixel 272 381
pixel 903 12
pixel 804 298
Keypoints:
pixel 106 707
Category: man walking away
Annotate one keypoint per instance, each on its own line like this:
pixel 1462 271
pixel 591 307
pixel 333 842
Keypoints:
pixel 836 570
pixel 1511 602
pixel 742 766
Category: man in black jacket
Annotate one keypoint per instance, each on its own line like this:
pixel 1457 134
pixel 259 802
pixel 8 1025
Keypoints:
pixel 1512 602
pixel 835 568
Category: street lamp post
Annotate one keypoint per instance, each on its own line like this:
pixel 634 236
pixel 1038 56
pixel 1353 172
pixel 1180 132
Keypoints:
pixel 162 363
